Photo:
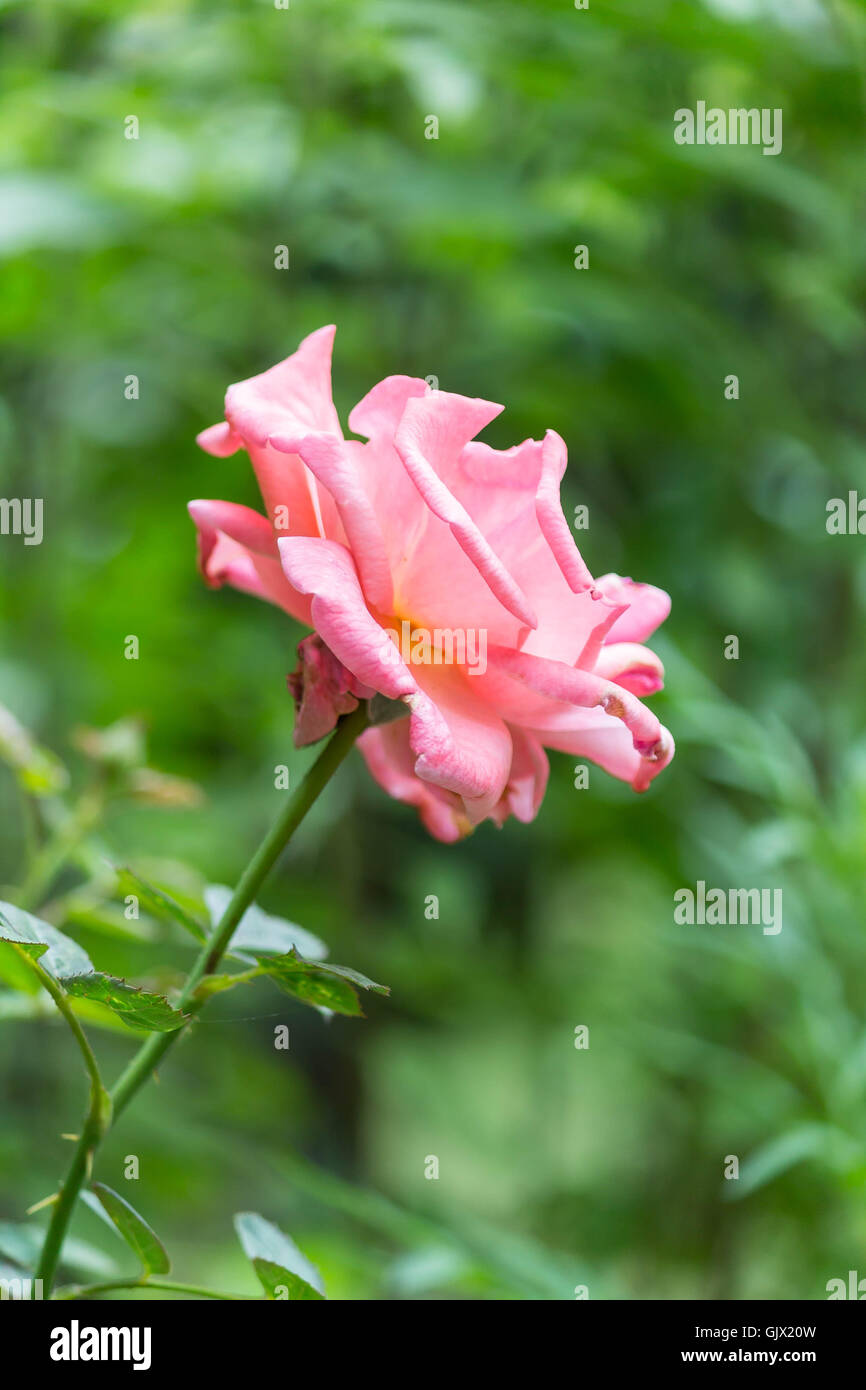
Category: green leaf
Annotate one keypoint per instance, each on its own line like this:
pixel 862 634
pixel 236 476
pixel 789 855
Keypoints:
pixel 58 954
pixel 64 957
pixel 319 990
pixel 319 982
pixel 258 931
pixel 22 1242
pixel 136 1007
pixel 158 903
pixel 281 1268
pixel 292 956
pixel 92 1201
pixel 89 910
pixel 96 1015
pixel 25 1006
pixel 74 970
pixel 810 1141
pixel 279 1283
pixel 134 1229
pixel 38 771
pixel 217 984
pixel 82 1258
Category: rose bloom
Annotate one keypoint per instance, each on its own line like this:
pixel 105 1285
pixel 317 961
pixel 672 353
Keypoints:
pixel 408 555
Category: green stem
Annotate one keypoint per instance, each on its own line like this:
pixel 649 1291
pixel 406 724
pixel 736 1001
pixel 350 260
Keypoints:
pixel 96 1123
pixel 141 1067
pixel 323 769
pixel 170 1285
pixel 61 1212
pixel 61 999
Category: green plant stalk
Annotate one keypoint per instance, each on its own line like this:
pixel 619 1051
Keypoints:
pixel 96 1123
pixel 142 1066
pixel 61 1213
pixel 323 769
pixel 60 998
pixel 88 1290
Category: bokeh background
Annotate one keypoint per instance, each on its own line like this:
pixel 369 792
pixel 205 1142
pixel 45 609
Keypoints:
pixel 454 257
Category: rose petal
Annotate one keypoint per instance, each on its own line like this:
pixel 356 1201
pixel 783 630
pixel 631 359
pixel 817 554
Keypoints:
pixel 566 685
pixel 647 607
pixel 429 440
pixel 237 546
pixel 340 615
pixel 391 761
pixel 632 666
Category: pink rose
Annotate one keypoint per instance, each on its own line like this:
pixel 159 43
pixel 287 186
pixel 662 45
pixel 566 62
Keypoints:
pixel 440 572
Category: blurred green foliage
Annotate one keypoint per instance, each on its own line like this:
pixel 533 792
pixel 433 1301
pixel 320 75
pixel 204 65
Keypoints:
pixel 454 257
